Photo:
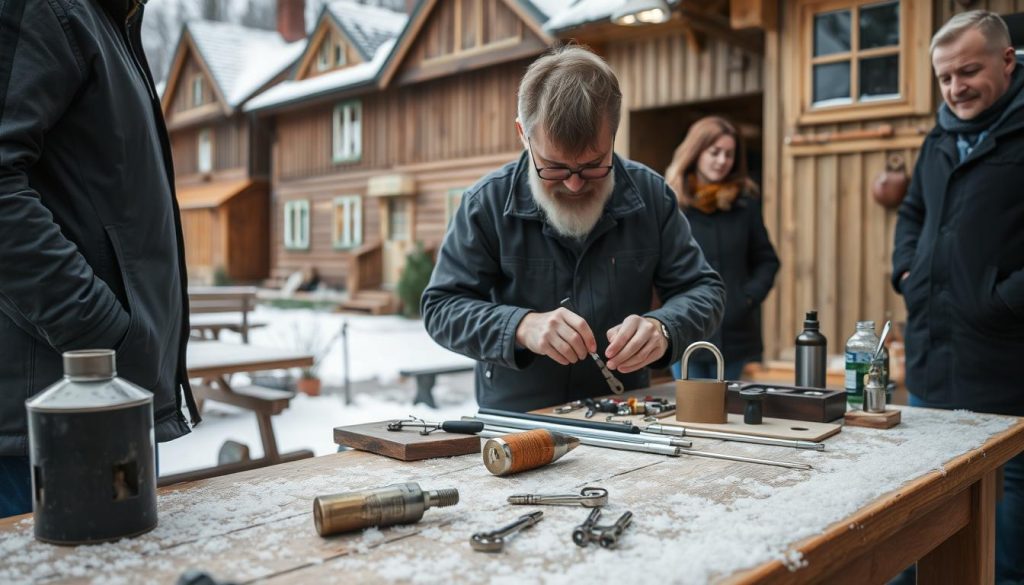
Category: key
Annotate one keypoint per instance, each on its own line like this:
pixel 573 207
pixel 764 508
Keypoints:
pixel 581 534
pixel 614 383
pixel 495 541
pixel 567 408
pixel 609 535
pixel 589 497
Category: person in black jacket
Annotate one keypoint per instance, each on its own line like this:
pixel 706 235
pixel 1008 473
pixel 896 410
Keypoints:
pixel 708 174
pixel 568 219
pixel 958 258
pixel 90 237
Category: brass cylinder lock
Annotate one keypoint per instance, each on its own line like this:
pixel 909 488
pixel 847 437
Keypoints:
pixel 701 401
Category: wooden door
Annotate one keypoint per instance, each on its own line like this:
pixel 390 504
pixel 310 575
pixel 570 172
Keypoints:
pixel 396 231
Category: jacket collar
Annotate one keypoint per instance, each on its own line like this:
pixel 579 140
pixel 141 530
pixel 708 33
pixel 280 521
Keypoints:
pixel 520 203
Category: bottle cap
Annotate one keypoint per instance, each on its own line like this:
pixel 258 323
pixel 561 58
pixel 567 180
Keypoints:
pixel 811 320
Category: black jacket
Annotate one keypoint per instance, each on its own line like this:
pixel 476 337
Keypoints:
pixel 501 260
pixel 736 244
pixel 90 238
pixel 960 234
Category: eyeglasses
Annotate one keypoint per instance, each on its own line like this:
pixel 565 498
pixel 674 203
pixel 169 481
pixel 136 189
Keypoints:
pixel 565 173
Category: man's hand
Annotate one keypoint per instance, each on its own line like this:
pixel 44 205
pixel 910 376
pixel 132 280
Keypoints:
pixel 560 334
pixel 634 344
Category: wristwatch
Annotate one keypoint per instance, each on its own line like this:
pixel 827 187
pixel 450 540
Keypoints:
pixel 663 329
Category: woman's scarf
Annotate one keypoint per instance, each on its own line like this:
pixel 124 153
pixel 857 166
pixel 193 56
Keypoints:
pixel 712 197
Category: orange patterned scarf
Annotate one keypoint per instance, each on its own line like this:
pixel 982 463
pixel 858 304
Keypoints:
pixel 712 196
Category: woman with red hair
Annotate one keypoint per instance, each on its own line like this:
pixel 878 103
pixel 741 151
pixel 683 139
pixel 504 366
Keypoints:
pixel 709 176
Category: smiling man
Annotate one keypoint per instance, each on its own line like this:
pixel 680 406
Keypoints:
pixel 958 259
pixel 569 219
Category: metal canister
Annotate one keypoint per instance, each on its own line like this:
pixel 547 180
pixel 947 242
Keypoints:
pixel 874 389
pixel 91 449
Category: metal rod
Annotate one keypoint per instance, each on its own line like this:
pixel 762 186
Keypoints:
pixel 572 422
pixel 744 459
pixel 681 431
pixel 509 422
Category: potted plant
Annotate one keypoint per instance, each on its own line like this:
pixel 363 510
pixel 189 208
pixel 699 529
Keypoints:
pixel 308 382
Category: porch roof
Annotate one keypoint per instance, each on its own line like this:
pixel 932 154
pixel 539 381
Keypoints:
pixel 207 195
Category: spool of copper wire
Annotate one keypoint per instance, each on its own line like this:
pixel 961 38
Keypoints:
pixel 528 450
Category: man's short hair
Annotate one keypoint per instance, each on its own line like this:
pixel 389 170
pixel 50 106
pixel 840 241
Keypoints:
pixel 989 24
pixel 570 90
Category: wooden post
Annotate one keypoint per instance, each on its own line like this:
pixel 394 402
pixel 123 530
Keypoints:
pixel 968 557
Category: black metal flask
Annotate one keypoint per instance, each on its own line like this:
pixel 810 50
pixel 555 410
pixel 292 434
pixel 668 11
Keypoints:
pixel 91 448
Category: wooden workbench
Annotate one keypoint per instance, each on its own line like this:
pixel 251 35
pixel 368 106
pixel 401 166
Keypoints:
pixel 875 501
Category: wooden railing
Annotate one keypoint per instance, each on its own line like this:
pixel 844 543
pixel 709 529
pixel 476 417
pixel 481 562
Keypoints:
pixel 365 268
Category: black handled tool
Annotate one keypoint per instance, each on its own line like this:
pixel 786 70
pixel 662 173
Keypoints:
pixel 462 427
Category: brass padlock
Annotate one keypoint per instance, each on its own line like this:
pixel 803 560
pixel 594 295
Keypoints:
pixel 701 401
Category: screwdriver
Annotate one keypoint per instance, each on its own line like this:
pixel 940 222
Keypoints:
pixel 613 382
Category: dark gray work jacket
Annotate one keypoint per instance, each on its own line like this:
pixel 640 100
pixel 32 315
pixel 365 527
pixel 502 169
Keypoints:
pixel 501 260
pixel 90 239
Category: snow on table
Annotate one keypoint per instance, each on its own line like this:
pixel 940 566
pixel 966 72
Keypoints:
pixel 695 519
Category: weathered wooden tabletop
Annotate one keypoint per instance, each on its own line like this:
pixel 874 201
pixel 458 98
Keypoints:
pixel 696 520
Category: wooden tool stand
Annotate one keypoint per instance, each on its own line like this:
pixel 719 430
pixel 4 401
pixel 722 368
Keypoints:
pixel 791 402
pixel 407 444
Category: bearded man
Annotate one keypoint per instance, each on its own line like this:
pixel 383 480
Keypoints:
pixel 569 219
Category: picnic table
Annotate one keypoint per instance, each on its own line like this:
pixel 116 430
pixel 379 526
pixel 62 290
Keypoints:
pixel 213 363
pixel 875 501
pixel 213 309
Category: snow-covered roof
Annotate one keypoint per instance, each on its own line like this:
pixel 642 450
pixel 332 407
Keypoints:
pixel 582 12
pixel 241 59
pixel 291 91
pixel 547 8
pixel 368 27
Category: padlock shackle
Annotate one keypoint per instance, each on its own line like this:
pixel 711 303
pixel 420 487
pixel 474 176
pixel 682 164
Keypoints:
pixel 703 345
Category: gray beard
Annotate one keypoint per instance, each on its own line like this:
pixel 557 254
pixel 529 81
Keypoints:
pixel 572 219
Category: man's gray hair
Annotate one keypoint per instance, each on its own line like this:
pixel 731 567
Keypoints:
pixel 570 91
pixel 989 24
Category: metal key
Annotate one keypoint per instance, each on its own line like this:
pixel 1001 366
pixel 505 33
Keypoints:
pixel 609 535
pixel 495 541
pixel 567 408
pixel 581 534
pixel 614 383
pixel 589 497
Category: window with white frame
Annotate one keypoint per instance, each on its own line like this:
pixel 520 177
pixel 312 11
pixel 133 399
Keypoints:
pixel 347 139
pixel 197 90
pixel 451 204
pixel 296 224
pixel 323 55
pixel 205 150
pixel 348 221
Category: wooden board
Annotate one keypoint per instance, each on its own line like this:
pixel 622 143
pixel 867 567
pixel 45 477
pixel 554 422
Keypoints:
pixel 879 420
pixel 778 428
pixel 405 445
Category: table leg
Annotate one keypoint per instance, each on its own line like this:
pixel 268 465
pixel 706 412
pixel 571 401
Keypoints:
pixel 425 390
pixel 967 557
pixel 267 437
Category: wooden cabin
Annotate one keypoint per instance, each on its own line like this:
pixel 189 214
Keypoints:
pixel 221 155
pixel 825 92
pixel 388 119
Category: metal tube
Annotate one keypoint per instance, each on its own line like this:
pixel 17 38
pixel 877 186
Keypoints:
pixel 575 431
pixel 584 433
pixel 653 448
pixel 681 431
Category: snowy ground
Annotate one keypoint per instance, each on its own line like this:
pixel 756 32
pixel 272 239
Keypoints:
pixel 378 347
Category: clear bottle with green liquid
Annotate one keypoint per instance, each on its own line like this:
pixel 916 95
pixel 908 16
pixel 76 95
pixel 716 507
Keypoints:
pixel 859 350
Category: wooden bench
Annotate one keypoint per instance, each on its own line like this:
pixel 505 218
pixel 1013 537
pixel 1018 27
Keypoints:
pixel 216 308
pixel 212 363
pixel 425 379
